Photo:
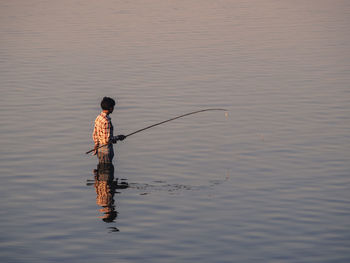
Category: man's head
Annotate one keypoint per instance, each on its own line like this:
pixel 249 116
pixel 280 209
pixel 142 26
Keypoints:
pixel 107 104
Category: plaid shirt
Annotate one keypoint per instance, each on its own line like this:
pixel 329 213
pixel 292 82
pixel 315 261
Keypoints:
pixel 103 130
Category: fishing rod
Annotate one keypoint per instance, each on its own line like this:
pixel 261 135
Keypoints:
pixel 162 122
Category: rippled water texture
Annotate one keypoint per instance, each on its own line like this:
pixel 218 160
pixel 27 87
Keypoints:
pixel 268 183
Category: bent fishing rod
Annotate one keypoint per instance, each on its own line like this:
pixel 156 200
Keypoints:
pixel 162 122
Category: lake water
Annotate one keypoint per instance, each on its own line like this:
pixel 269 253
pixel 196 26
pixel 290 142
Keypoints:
pixel 268 183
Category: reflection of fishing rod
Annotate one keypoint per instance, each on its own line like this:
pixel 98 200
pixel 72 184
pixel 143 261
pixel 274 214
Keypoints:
pixel 159 123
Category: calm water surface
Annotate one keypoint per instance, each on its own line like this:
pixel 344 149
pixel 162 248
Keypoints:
pixel 269 183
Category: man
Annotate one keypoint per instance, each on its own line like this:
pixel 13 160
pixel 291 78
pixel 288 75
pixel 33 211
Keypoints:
pixel 103 132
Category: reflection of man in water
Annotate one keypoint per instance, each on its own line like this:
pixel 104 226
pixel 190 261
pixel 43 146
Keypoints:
pixel 105 189
pixel 103 132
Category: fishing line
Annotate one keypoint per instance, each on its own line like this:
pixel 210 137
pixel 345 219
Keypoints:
pixel 162 122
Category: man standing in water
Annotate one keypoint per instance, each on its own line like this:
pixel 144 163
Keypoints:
pixel 103 132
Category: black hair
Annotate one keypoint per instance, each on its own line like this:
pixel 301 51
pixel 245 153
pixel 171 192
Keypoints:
pixel 107 103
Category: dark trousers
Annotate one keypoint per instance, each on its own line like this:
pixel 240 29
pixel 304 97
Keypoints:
pixel 105 154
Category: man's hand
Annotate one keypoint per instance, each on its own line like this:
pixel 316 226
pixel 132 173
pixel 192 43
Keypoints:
pixel 95 150
pixel 120 137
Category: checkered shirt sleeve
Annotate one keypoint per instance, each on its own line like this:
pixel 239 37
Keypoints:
pixel 102 130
